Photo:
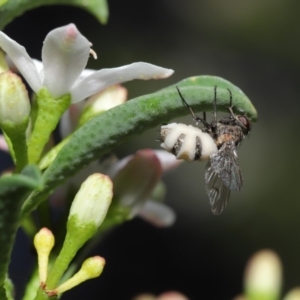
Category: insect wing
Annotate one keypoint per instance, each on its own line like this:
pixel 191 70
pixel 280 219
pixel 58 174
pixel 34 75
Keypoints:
pixel 226 164
pixel 217 191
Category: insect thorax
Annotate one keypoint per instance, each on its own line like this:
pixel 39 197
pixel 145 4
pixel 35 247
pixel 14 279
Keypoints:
pixel 223 133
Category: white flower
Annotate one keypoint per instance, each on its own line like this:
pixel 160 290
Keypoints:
pixel 64 56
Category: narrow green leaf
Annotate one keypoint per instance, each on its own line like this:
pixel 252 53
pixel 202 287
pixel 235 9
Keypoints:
pixel 47 160
pixel 9 289
pixel 102 133
pixel 3 295
pixel 14 8
pixel 13 191
pixel 16 136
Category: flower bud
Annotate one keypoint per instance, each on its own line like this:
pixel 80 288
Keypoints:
pixel 172 296
pixel 14 100
pixel 263 276
pixel 43 243
pixel 92 201
pixel 91 268
pixel 294 294
pixel 103 101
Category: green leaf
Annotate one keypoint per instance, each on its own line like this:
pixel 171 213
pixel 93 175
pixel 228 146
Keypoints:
pixel 9 289
pixel 3 294
pixel 13 191
pixel 16 137
pixel 14 8
pixel 102 133
pixel 2 2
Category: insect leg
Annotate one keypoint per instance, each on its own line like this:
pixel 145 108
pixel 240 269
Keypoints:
pixel 215 104
pixel 196 118
pixel 204 117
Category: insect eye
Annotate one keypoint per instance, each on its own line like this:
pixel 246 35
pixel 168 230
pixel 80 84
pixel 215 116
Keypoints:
pixel 245 122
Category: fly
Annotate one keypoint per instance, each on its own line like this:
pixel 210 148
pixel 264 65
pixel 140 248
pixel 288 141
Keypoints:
pixel 216 142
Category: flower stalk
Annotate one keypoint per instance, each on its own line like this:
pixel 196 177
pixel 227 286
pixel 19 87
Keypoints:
pixel 75 239
pixel 49 112
pixel 87 213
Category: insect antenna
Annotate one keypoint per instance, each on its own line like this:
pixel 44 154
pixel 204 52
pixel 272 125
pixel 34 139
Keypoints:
pixel 230 105
pixel 196 118
pixel 215 103
pixel 230 97
pixel 234 116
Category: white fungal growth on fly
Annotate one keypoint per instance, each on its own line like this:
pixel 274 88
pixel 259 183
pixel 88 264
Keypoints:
pixel 187 142
pixel 216 142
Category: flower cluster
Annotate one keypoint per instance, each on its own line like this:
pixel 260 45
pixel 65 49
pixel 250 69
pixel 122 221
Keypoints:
pixel 59 83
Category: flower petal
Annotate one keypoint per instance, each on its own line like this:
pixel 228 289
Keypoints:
pixel 39 65
pixel 167 160
pixel 134 183
pixel 86 72
pixel 65 54
pixel 3 144
pixel 158 214
pixel 104 78
pixel 22 61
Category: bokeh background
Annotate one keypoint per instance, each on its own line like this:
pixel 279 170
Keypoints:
pixel 254 44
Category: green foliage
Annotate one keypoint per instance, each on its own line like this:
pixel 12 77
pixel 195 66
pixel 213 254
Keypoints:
pixel 13 191
pixel 14 8
pixel 2 2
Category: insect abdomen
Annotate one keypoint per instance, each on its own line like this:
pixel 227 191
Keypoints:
pixel 187 142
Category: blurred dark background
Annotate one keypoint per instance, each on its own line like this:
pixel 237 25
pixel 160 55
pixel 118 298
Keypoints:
pixel 254 44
